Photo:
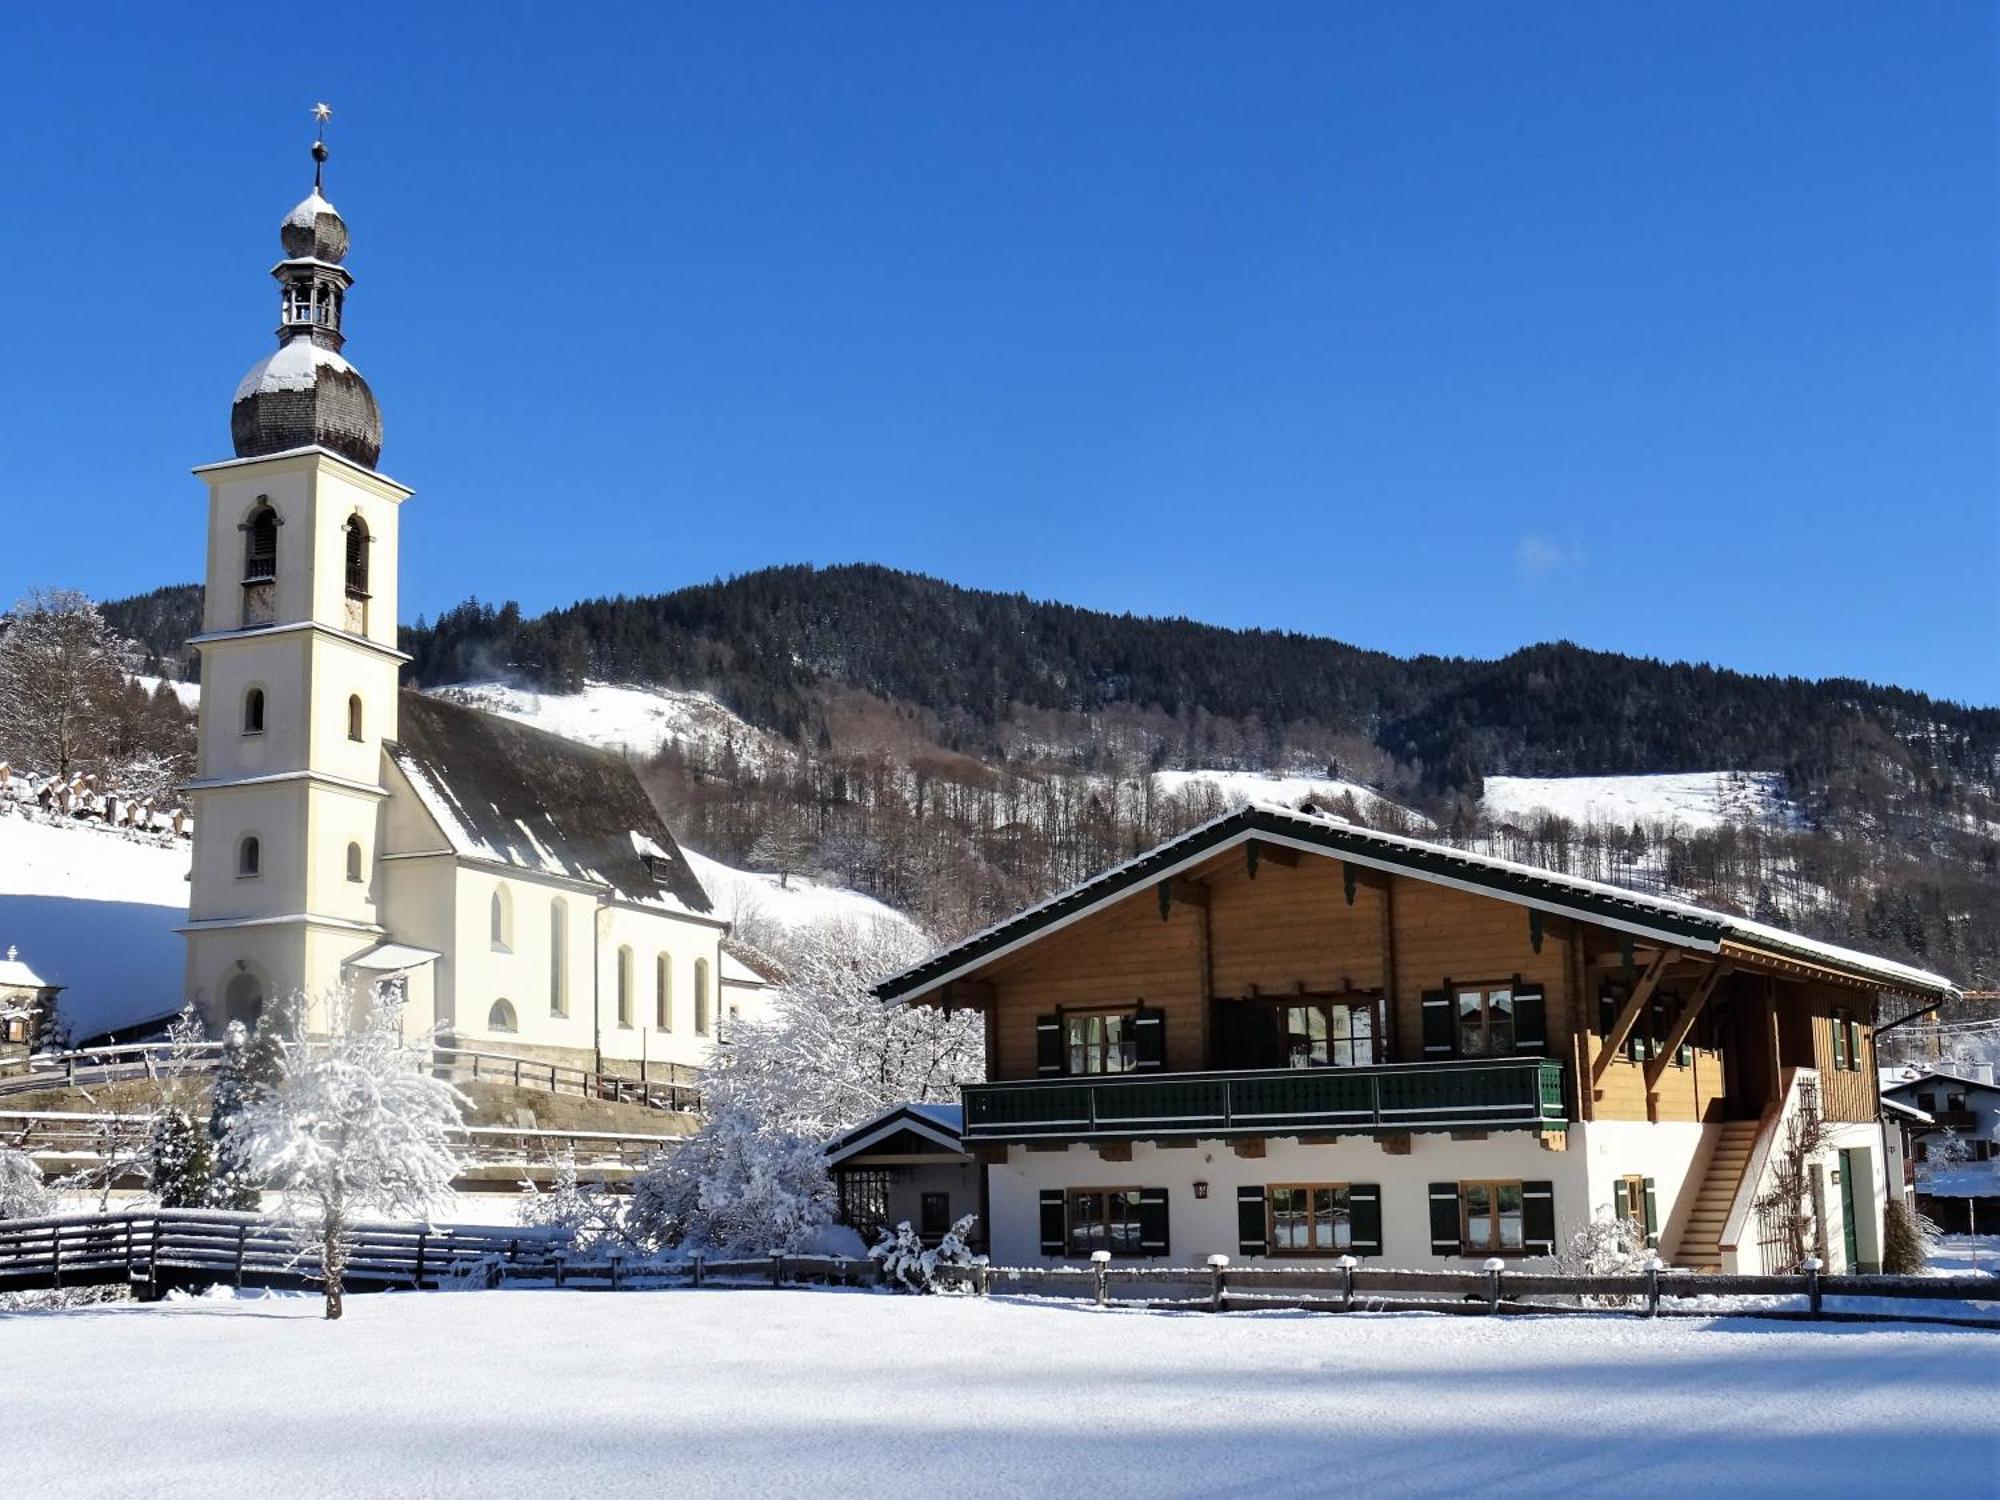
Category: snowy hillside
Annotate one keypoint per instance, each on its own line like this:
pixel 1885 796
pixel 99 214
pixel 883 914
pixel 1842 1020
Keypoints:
pixel 95 910
pixel 752 901
pixel 1265 786
pixel 634 719
pixel 1693 800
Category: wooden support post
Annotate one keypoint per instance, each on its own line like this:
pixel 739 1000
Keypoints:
pixel 242 1235
pixel 1634 1007
pixel 777 1268
pixel 697 1268
pixel 1683 1024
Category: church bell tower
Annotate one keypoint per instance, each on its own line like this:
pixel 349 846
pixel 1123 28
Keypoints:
pixel 298 655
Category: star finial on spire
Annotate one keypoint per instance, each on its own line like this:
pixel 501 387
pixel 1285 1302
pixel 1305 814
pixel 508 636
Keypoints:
pixel 321 112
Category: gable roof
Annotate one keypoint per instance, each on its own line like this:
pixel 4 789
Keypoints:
pixel 1657 917
pixel 1936 1075
pixel 510 794
pixel 938 1124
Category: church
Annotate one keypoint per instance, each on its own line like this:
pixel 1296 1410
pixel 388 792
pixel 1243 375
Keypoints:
pixel 519 890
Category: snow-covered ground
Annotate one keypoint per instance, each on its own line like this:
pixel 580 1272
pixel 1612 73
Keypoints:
pixel 790 1393
pixel 1695 800
pixel 1265 786
pixel 637 720
pixel 95 910
pixel 748 899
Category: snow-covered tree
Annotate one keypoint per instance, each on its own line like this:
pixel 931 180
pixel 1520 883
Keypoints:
pixel 830 1054
pixel 355 1122
pixel 907 1266
pixel 179 1160
pixel 739 1186
pixel 22 1192
pixel 1944 1153
pixel 583 1208
pixel 61 668
pixel 244 1071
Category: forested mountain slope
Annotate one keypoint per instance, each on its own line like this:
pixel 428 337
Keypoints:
pixel 957 751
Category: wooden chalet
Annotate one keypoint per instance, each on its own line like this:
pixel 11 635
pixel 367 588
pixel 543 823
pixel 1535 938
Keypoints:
pixel 1283 1035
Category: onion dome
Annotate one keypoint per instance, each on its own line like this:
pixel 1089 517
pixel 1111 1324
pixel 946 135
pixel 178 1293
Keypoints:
pixel 306 395
pixel 314 231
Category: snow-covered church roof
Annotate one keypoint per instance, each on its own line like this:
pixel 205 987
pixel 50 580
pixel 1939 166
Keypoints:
pixel 512 795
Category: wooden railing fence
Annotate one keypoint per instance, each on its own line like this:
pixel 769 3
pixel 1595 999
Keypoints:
pixel 1221 1287
pixel 678 1093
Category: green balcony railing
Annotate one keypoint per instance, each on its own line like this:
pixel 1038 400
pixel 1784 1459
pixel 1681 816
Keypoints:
pixel 1502 1093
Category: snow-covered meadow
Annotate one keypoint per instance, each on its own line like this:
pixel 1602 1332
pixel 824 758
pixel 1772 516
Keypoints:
pixel 793 1393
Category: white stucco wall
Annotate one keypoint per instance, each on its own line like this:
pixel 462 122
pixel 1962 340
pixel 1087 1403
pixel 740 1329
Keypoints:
pixel 1201 1227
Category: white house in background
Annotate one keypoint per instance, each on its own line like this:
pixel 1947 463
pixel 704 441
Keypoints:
pixel 519 888
pixel 27 1006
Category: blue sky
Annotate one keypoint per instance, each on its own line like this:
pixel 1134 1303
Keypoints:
pixel 1667 329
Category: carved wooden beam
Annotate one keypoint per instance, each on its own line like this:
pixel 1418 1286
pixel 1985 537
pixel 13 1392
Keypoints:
pixel 1677 1033
pixel 1634 1007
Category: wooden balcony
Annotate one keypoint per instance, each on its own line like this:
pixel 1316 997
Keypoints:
pixel 1506 1093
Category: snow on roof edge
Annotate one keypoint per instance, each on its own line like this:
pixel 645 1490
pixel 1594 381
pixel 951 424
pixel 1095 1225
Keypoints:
pixel 1737 928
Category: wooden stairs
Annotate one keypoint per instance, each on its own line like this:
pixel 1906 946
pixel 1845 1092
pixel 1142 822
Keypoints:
pixel 1700 1247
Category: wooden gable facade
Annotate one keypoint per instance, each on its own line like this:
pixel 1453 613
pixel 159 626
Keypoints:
pixel 1687 1024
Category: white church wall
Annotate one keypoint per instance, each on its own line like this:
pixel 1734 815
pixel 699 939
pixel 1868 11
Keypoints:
pixel 340 672
pixel 337 817
pixel 235 492
pixel 273 665
pixel 338 492
pixel 274 814
pixel 688 946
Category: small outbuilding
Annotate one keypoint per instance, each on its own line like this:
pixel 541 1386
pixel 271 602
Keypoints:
pixel 908 1164
pixel 27 1008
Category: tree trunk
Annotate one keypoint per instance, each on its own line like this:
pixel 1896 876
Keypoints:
pixel 332 1254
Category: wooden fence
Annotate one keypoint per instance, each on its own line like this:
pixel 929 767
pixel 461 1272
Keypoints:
pixel 152 1250
pixel 115 1145
pixel 1221 1287
pixel 677 1093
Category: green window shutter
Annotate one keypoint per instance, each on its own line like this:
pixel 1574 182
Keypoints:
pixel 1839 1040
pixel 1364 1218
pixel 1438 1028
pixel 1054 1227
pixel 1652 1214
pixel 1152 1221
pixel 1444 1218
pixel 1149 1039
pixel 1538 1218
pixel 1531 1025
pixel 1250 1221
pixel 1048 1046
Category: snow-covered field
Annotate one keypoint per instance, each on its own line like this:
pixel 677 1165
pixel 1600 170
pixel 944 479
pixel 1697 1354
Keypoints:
pixel 95 910
pixel 766 1393
pixel 1695 800
pixel 748 899
pixel 1263 786
pixel 635 719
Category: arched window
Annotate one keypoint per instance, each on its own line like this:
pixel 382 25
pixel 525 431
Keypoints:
pixel 357 558
pixel 625 987
pixel 243 1000
pixel 354 716
pixel 260 546
pixel 253 711
pixel 354 863
pixel 249 858
pixel 558 957
pixel 501 1017
pixel 663 993
pixel 701 1019
pixel 500 918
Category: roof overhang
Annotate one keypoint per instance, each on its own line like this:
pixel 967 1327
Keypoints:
pixel 892 1122
pixel 392 958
